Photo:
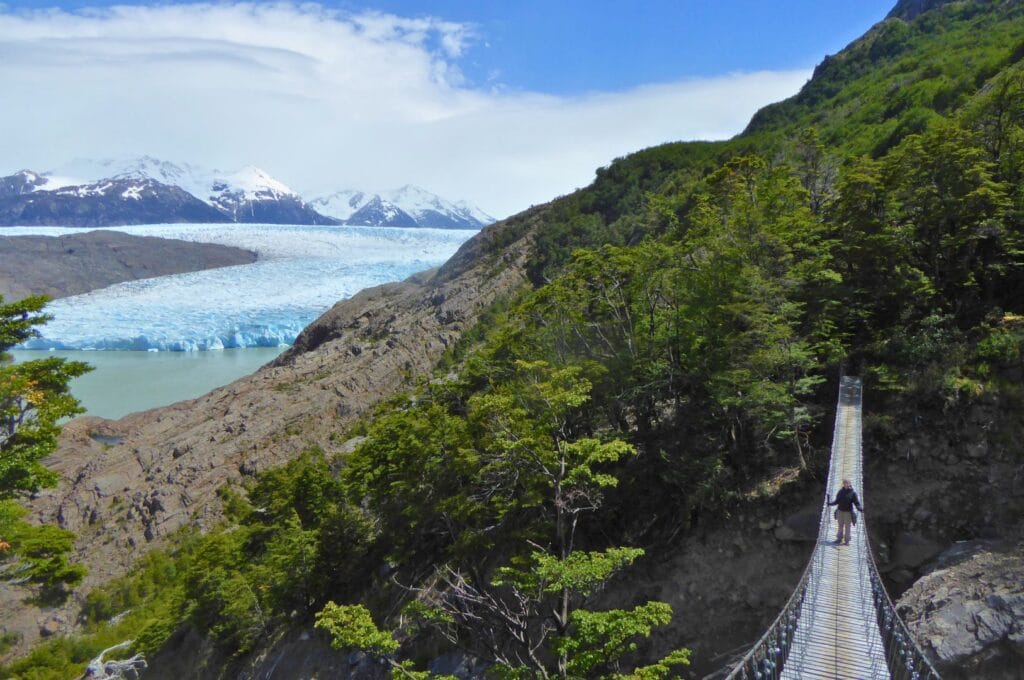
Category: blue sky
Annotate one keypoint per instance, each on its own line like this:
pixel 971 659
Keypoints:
pixel 573 46
pixel 501 103
pixel 576 46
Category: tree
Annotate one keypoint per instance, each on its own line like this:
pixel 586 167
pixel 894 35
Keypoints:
pixel 531 475
pixel 34 397
pixel 816 170
pixel 950 204
pixel 529 617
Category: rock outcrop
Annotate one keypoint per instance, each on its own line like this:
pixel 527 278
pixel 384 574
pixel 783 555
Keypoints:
pixel 59 266
pixel 968 611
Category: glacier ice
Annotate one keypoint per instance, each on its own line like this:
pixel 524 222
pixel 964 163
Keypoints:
pixel 301 272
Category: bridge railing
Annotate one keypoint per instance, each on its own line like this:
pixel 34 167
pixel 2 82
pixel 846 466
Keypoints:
pixel 767 658
pixel 905 659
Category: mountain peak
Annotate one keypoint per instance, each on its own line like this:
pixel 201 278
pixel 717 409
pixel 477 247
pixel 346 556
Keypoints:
pixel 407 206
pixel 256 182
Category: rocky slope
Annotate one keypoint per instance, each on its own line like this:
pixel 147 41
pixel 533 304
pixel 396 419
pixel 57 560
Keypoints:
pixel 908 10
pixel 128 484
pixel 59 266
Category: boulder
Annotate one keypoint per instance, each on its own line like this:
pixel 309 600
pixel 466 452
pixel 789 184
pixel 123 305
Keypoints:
pixel 968 612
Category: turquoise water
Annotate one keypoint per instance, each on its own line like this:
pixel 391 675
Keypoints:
pixel 124 382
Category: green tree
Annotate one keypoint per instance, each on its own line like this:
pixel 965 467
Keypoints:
pixel 352 627
pixel 530 617
pixel 950 203
pixel 34 397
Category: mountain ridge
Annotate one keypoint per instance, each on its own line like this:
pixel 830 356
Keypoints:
pixel 88 193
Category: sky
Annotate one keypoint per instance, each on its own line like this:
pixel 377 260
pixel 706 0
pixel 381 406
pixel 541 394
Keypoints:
pixel 502 103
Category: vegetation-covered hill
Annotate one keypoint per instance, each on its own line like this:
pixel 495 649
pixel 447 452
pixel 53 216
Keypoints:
pixel 687 318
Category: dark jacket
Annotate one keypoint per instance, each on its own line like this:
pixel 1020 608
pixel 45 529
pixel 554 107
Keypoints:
pixel 846 499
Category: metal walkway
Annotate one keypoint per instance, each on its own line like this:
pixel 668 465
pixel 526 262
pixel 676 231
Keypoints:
pixel 839 623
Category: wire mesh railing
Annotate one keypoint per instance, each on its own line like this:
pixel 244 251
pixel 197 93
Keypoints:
pixel 905 659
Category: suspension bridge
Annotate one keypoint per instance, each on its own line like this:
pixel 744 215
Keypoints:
pixel 839 624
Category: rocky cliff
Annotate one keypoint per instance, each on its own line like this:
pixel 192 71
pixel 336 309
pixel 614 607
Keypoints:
pixel 59 266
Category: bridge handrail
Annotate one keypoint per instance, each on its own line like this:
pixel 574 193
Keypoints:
pixel 904 657
pixel 757 660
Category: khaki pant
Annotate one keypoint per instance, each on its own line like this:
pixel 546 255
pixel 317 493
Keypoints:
pixel 845 521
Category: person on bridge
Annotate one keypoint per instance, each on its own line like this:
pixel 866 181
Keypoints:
pixel 846 499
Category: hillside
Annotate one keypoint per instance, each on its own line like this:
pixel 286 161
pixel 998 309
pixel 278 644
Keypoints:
pixel 648 364
pixel 59 266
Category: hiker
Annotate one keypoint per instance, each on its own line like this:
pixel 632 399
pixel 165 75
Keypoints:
pixel 846 498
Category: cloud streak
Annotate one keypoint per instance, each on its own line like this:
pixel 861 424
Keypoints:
pixel 325 100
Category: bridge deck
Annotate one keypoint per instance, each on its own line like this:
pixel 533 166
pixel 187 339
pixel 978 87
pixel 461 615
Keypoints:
pixel 837 634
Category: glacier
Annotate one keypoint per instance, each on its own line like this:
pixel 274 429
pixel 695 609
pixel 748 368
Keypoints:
pixel 301 272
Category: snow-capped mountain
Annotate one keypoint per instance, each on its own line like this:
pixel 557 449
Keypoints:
pixel 87 193
pixel 409 206
pixel 20 183
pixel 29 198
pixel 341 204
pixel 246 195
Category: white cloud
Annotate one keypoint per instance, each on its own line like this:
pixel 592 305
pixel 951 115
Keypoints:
pixel 326 100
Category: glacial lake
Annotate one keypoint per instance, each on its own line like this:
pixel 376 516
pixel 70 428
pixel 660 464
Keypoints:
pixel 123 382
pixel 160 340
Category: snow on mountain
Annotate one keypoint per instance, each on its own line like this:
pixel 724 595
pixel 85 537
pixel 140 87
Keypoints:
pixel 341 204
pixel 474 213
pixel 145 190
pixel 407 206
pixel 114 191
pixel 20 183
pixel 213 187
pixel 255 184
pixel 378 212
